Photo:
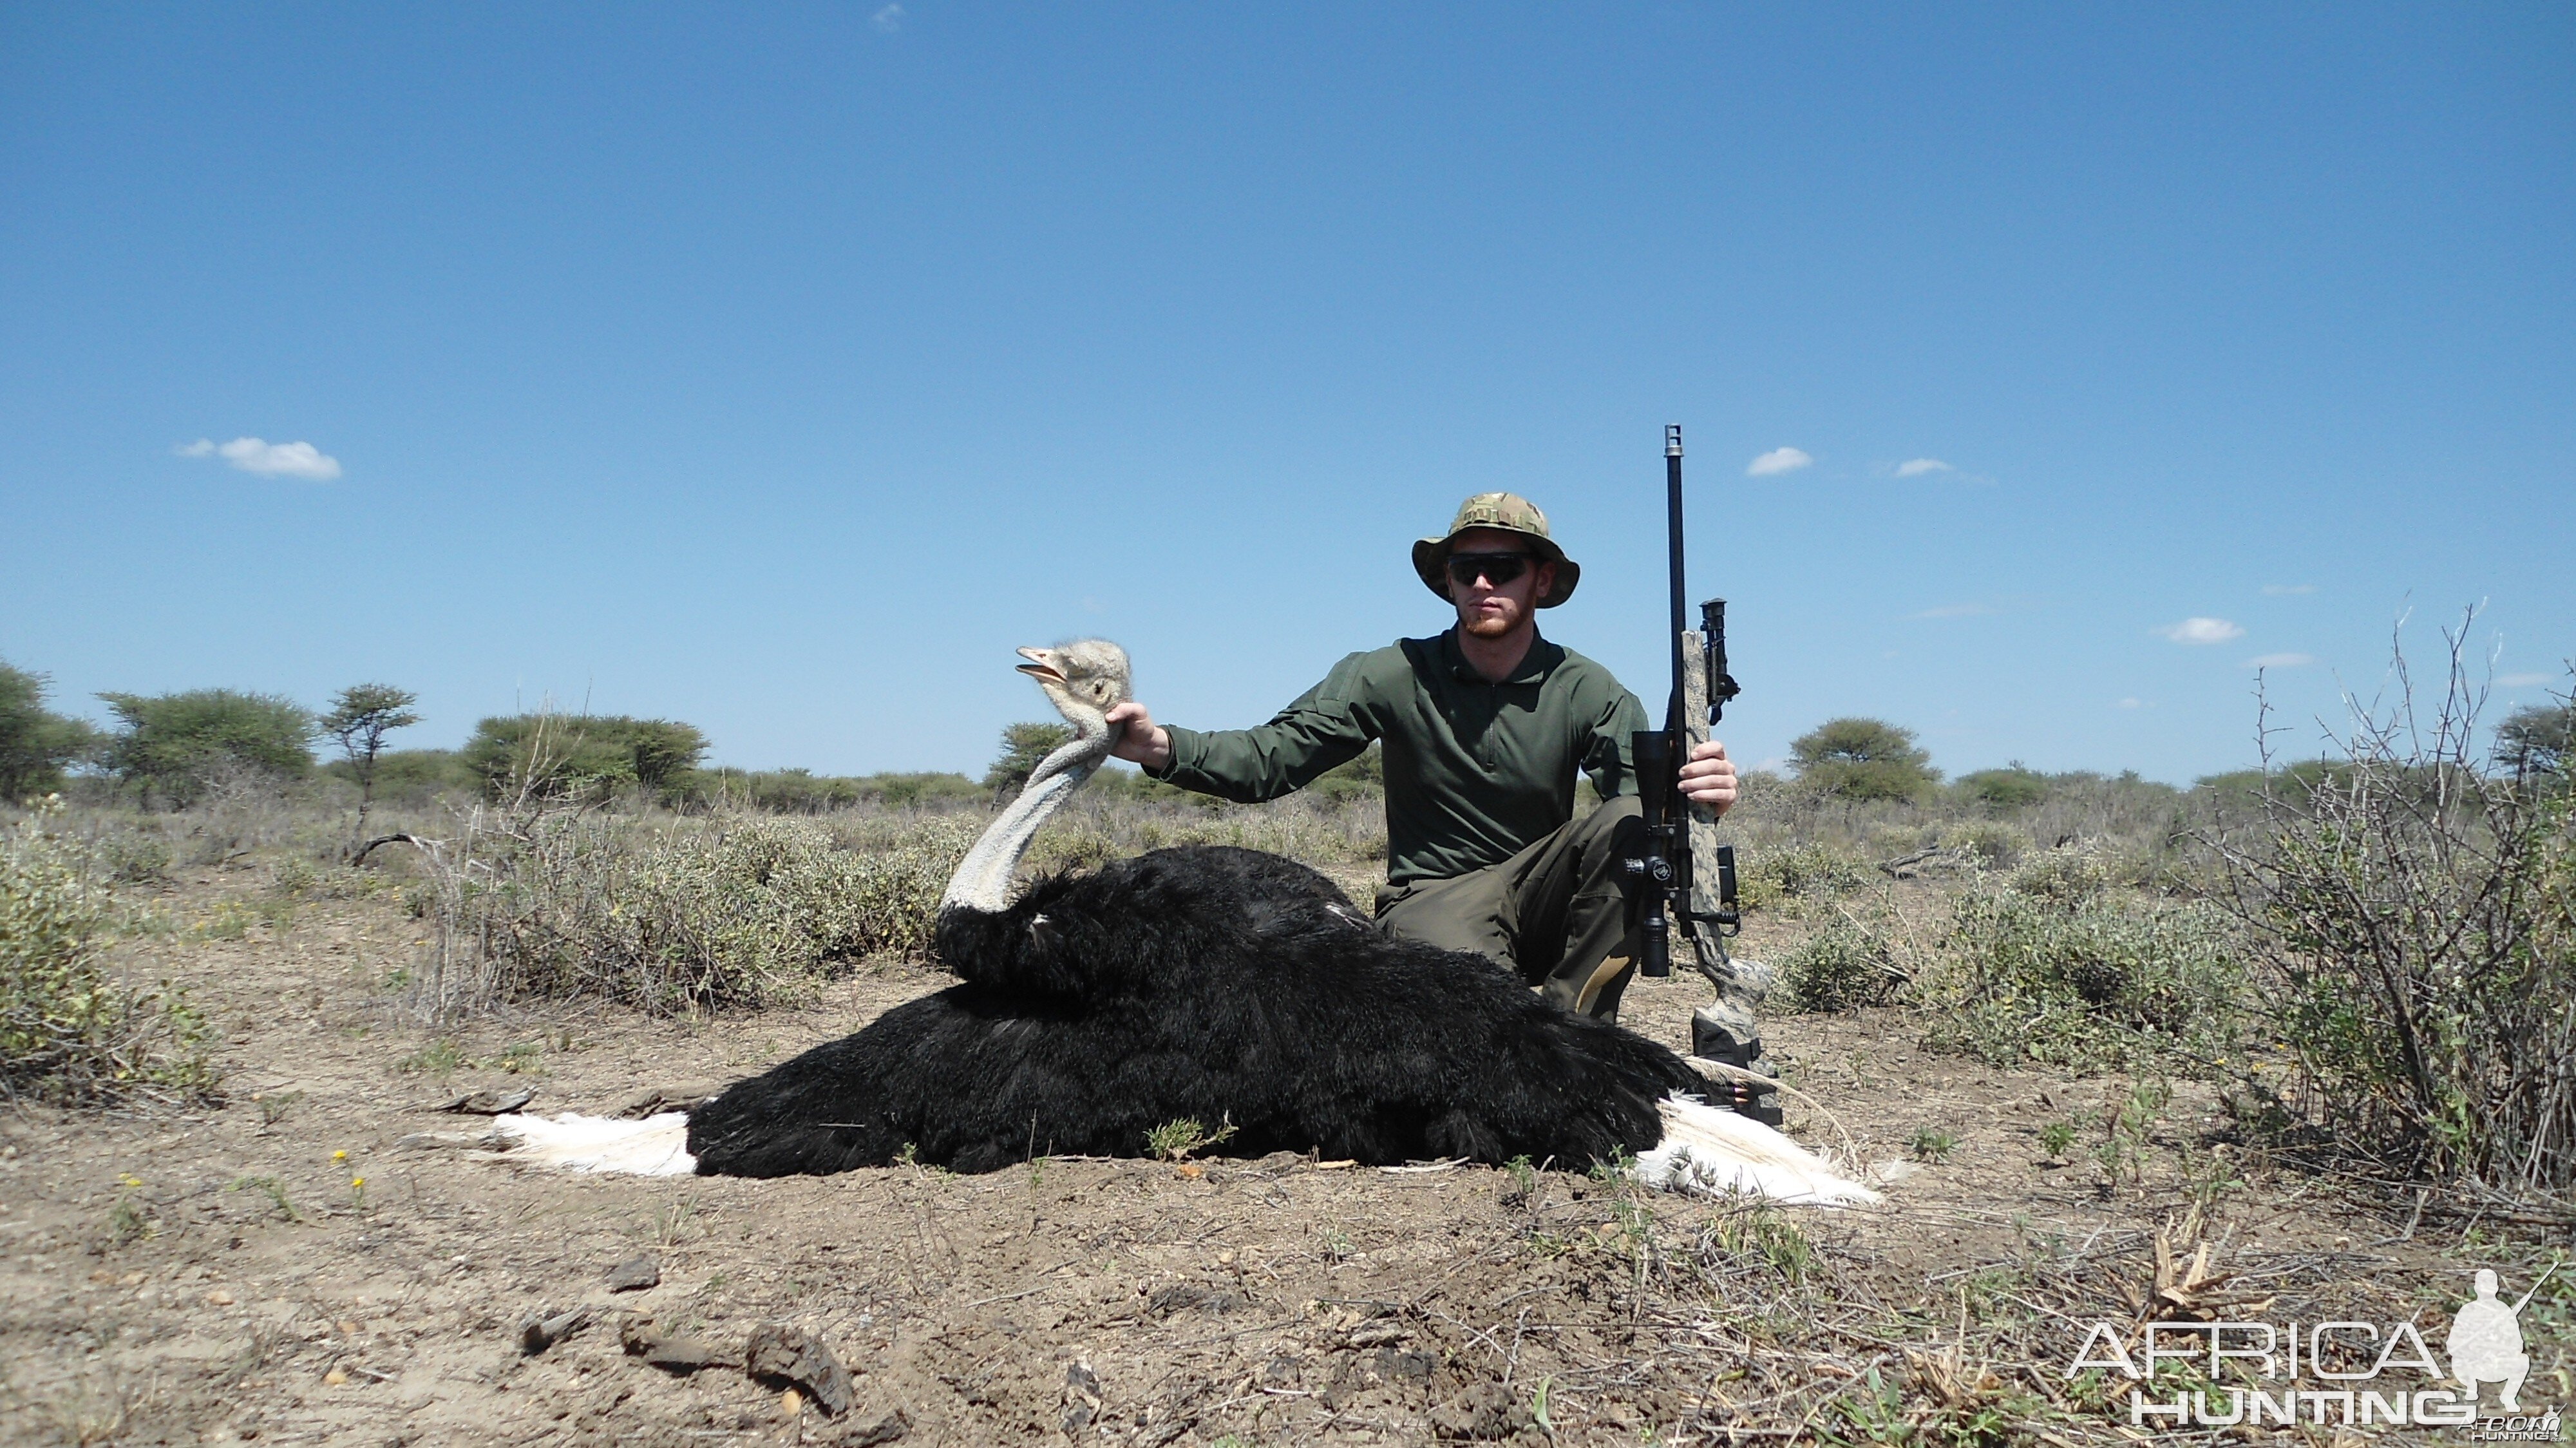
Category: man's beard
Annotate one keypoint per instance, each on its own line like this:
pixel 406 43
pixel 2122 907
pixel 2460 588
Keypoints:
pixel 1489 626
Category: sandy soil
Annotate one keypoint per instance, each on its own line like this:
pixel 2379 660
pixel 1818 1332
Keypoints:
pixel 1277 1301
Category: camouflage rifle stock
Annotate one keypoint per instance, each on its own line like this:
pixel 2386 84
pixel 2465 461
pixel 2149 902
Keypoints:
pixel 1680 866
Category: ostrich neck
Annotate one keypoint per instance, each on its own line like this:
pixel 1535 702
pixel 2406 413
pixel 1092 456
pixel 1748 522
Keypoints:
pixel 983 878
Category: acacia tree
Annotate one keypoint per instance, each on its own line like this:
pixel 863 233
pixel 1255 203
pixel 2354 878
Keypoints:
pixel 2537 739
pixel 178 744
pixel 1863 759
pixel 592 754
pixel 1023 745
pixel 360 718
pixel 35 742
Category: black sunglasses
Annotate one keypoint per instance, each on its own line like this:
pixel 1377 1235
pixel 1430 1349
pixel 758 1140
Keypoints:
pixel 1496 568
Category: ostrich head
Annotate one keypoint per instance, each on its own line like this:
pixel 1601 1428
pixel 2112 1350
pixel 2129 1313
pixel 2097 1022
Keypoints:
pixel 1084 679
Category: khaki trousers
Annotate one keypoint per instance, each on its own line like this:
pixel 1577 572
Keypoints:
pixel 1557 912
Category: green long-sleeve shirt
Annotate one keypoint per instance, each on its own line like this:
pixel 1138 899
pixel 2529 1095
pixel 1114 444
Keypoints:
pixel 1474 770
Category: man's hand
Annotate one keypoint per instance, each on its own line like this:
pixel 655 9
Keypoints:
pixel 1147 743
pixel 1708 778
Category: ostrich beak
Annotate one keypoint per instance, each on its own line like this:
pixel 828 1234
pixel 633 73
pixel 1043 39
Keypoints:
pixel 1040 667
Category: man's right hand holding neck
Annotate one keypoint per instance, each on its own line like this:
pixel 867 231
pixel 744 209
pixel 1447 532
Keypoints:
pixel 1142 741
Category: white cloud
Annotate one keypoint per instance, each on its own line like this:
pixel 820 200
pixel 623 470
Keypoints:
pixel 889 20
pixel 2280 661
pixel 2132 703
pixel 1917 467
pixel 2201 631
pixel 2525 681
pixel 268 459
pixel 2283 590
pixel 1777 460
pixel 1959 610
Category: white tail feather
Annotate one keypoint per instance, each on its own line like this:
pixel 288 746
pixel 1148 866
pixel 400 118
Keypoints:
pixel 1710 1149
pixel 654 1146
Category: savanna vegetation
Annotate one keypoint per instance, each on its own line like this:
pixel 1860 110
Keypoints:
pixel 2370 953
pixel 2121 1028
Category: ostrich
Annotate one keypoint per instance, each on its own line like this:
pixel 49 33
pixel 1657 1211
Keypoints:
pixel 1202 982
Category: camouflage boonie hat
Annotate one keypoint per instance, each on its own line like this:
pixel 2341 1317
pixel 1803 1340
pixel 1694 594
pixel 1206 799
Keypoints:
pixel 1513 514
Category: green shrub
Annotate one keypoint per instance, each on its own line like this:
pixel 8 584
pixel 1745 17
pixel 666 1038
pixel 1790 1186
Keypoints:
pixel 1989 843
pixel 2068 877
pixel 743 911
pixel 35 743
pixel 131 857
pixel 2056 967
pixel 801 791
pixel 2003 790
pixel 1841 965
pixel 67 1031
pixel 177 745
pixel 413 776
pixel 1789 878
pixel 897 790
pixel 581 754
pixel 2416 918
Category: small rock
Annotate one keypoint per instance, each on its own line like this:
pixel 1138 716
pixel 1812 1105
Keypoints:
pixel 1486 1411
pixel 635 1273
pixel 334 1378
pixel 219 1298
pixel 892 1428
pixel 491 1103
pixel 790 1402
pixel 537 1333
pixel 1081 1397
pixel 1379 1334
pixel 779 1352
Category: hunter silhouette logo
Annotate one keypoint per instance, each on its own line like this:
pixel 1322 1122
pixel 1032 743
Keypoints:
pixel 2486 1340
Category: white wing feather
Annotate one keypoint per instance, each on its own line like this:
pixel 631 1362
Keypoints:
pixel 1713 1150
pixel 654 1146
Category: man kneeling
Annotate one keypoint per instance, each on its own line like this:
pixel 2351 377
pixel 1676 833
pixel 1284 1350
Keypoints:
pixel 1485 727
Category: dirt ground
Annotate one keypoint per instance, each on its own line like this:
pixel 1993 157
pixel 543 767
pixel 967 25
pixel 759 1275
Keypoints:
pixel 245 1291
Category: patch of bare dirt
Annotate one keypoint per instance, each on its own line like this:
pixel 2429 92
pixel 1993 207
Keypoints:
pixel 270 1300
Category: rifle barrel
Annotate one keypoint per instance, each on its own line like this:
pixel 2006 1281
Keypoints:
pixel 1673 720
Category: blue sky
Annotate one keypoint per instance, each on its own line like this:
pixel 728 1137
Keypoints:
pixel 780 368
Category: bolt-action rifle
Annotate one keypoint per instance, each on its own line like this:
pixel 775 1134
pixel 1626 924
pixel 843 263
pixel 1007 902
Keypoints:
pixel 1679 865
